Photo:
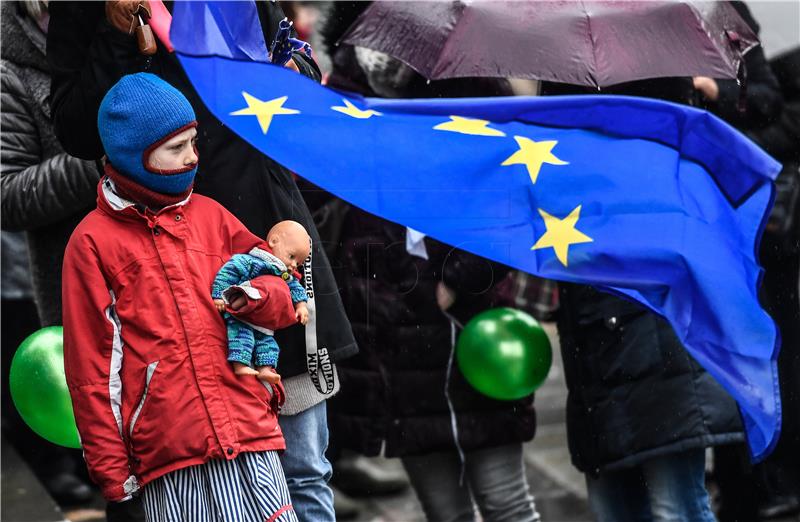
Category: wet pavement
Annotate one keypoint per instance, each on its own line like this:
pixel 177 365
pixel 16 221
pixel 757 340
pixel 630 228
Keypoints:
pixel 24 499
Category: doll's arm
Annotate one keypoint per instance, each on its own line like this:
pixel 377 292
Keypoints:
pixel 301 312
pixel 297 291
pixel 239 268
pixel 299 298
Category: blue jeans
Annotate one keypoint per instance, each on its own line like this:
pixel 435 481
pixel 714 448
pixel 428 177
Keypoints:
pixel 668 488
pixel 304 463
pixel 494 479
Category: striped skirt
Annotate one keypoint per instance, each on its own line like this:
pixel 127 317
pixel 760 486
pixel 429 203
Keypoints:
pixel 249 488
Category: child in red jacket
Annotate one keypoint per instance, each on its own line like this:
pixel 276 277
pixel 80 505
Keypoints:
pixel 159 411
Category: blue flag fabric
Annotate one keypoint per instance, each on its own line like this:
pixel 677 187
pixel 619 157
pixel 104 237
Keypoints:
pixel 658 202
pixel 227 29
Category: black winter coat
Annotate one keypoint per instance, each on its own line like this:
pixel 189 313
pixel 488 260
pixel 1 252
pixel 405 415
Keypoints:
pixel 634 391
pixel 88 56
pixel 780 253
pixel 393 392
pixel 45 191
pixel 781 137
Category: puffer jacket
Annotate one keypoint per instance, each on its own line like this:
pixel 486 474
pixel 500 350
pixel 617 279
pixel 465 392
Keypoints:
pixel 392 395
pixel 44 190
pixel 145 349
pixel 635 393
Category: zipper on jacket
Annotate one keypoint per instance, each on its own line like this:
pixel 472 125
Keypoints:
pixel 151 368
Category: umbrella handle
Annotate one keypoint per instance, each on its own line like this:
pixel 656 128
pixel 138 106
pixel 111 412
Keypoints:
pixel 741 74
pixel 741 79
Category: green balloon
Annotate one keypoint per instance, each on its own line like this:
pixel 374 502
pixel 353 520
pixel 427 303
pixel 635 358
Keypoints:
pixel 39 387
pixel 504 353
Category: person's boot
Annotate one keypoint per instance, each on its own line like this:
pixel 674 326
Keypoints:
pixel 131 510
pixel 360 476
pixel 67 489
pixel 779 506
pixel 345 507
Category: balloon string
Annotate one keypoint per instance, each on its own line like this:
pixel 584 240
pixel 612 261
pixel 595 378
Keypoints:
pixel 455 321
pixel 453 424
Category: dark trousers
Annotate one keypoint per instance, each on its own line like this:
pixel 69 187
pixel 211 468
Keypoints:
pixel 742 486
pixel 782 468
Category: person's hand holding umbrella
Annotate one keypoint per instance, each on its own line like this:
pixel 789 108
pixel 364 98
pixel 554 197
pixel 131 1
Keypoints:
pixel 707 86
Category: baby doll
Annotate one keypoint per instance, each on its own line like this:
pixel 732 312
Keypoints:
pixel 287 246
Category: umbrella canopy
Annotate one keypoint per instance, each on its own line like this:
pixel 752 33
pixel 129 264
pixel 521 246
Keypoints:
pixel 586 43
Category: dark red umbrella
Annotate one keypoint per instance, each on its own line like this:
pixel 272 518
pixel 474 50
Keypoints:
pixel 586 43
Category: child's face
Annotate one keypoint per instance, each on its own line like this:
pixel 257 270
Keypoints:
pixel 291 247
pixel 176 153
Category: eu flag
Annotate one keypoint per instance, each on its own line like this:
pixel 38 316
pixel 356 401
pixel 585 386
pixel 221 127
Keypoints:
pixel 658 202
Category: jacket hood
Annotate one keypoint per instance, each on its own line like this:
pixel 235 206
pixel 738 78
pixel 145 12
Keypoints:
pixel 23 43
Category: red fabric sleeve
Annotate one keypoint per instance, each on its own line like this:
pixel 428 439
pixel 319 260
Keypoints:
pixel 92 358
pixel 241 239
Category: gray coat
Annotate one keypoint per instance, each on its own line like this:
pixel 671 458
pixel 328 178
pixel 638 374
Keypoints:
pixel 44 191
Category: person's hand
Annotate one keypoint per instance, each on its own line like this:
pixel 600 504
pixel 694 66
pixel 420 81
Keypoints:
pixel 707 86
pixel 291 65
pixel 301 313
pixel 121 13
pixel 445 297
pixel 219 304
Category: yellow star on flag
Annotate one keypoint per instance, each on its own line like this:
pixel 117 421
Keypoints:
pixel 355 112
pixel 561 233
pixel 264 110
pixel 533 154
pixel 469 126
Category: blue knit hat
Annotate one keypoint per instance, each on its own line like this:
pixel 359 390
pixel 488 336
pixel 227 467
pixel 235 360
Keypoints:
pixel 136 115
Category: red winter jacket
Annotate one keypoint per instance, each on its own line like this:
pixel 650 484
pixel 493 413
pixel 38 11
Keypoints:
pixel 145 349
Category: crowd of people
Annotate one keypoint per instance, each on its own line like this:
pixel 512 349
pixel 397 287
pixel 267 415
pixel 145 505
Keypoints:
pixel 116 171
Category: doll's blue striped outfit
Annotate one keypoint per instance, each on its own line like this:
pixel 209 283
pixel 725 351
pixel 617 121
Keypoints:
pixel 250 344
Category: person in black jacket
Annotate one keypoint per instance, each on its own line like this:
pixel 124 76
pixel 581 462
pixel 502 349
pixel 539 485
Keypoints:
pixel 774 125
pixel 640 410
pixel 403 395
pixel 772 487
pixel 88 54
pixel 45 192
pixel 780 253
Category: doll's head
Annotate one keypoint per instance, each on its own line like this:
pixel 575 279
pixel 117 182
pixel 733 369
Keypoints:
pixel 290 243
pixel 148 130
